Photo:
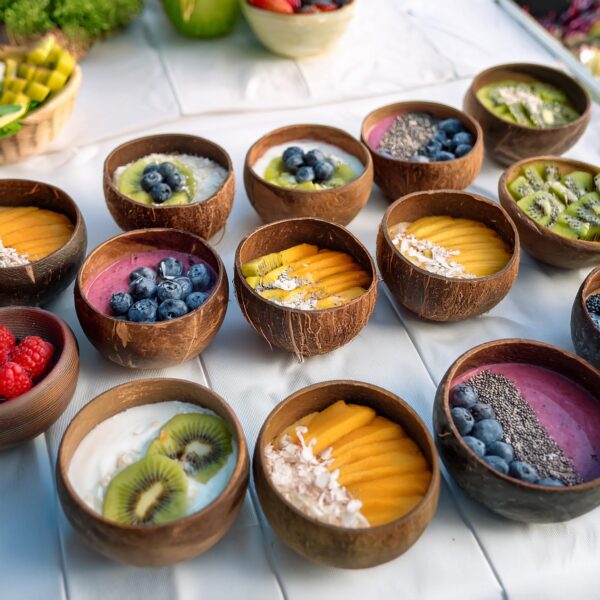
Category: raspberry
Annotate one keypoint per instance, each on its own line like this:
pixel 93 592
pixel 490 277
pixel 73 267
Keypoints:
pixel 14 381
pixel 7 339
pixel 5 354
pixel 34 355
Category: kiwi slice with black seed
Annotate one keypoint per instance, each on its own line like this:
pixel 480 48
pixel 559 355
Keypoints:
pixel 200 442
pixel 151 491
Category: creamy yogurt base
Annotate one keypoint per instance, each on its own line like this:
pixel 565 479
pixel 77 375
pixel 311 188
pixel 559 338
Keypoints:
pixel 122 440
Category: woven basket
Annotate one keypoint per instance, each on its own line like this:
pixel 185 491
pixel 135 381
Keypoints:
pixel 42 125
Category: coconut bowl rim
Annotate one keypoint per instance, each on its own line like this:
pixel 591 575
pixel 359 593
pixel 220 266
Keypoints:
pixel 581 298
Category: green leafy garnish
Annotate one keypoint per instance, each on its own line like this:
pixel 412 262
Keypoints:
pixel 10 129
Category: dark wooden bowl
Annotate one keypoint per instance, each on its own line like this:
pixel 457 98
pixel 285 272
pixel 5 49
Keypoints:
pixel 343 547
pixel 398 177
pixel 539 241
pixel 339 205
pixel 154 545
pixel 44 279
pixel 160 344
pixel 504 495
pixel 436 297
pixel 32 413
pixel 303 332
pixel 508 142
pixel 204 218
pixel 584 333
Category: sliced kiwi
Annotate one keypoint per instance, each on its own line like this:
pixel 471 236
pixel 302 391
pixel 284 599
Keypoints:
pixel 551 172
pixel 544 208
pixel 591 201
pixel 534 178
pixel 579 182
pixel 520 187
pixel 571 227
pixel 149 492
pixel 562 191
pixel 597 181
pixel 201 443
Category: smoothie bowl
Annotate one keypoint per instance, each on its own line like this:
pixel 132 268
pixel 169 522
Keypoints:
pixel 422 146
pixel 152 298
pixel 153 472
pixel 171 180
pixel 585 319
pixel 517 423
pixel 447 255
pixel 347 474
pixel 306 285
pixel 308 171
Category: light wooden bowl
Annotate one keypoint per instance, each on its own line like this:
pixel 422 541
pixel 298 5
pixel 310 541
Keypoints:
pixel 44 279
pixel 508 142
pixel 303 332
pixel 347 548
pixel 204 218
pixel 151 345
pixel 154 545
pixel 584 333
pixel 398 177
pixel 539 241
pixel 436 297
pixel 25 417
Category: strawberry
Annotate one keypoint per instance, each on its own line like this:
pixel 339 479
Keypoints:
pixel 14 381
pixel 278 6
pixel 34 354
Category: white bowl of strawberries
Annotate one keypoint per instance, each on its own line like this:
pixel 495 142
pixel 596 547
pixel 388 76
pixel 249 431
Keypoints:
pixel 298 28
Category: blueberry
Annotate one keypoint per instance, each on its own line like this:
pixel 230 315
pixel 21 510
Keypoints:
pixel 171 309
pixel 120 303
pixel 168 290
pixel 476 445
pixel 160 193
pixel 451 126
pixel 433 147
pixel 323 170
pixel 440 136
pixel 419 158
pixel 462 150
pixel 170 268
pixel 149 180
pixel 292 150
pixel 488 431
pixel 150 168
pixel 304 174
pixel 463 137
pixel 143 311
pixel 551 482
pixel 463 420
pixel 482 411
pixel 142 288
pixel 442 156
pixel 175 181
pixel 312 157
pixel 195 300
pixel 496 463
pixel 166 169
pixel 503 450
pixel 523 471
pixel 294 162
pixel 201 277
pixel 186 285
pixel 146 272
pixel 464 395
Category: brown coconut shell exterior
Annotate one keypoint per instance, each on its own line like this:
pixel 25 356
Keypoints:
pixel 339 205
pixel 25 417
pixel 153 545
pixel 435 297
pixel 509 497
pixel 584 333
pixel 204 218
pixel 339 546
pixel 398 177
pixel 508 142
pixel 160 344
pixel 540 242
pixel 43 280
pixel 303 332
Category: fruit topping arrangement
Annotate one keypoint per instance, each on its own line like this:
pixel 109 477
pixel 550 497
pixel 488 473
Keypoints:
pixel 348 466
pixel 28 233
pixel 307 278
pixel 536 105
pixel 567 205
pixel 170 179
pixel 592 304
pixel 451 247
pixel 32 79
pixel 302 7
pixel 22 363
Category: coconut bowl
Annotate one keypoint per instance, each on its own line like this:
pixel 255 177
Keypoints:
pixel 339 205
pixel 584 333
pixel 342 547
pixel 151 345
pixel 539 241
pixel 398 177
pixel 508 142
pixel 32 413
pixel 435 297
pixel 509 497
pixel 303 332
pixel 152 545
pixel 42 280
pixel 204 218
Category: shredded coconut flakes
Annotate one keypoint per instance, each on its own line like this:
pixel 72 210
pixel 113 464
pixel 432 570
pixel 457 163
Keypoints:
pixel 9 257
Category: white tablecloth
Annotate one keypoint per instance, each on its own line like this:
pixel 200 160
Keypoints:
pixel 149 80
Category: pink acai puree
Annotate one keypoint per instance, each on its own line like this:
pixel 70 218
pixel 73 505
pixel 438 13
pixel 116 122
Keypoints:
pixel 115 278
pixel 568 412
pixel 376 134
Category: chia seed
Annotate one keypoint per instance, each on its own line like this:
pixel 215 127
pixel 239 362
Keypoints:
pixel 409 132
